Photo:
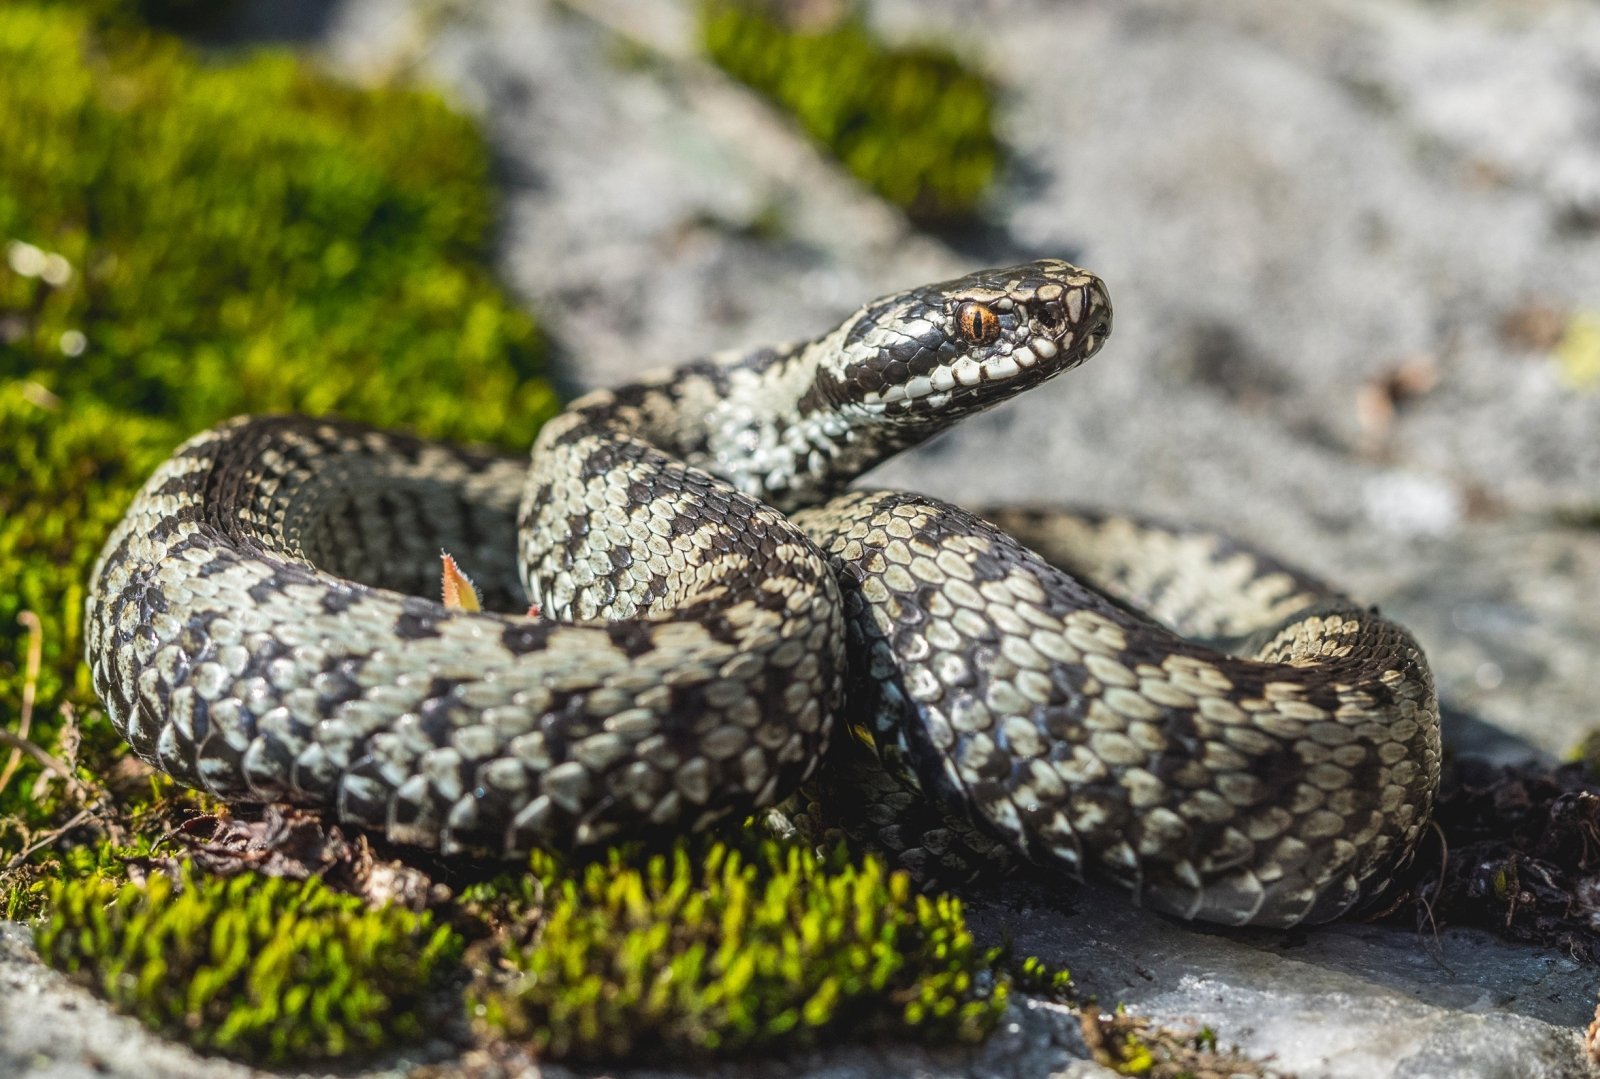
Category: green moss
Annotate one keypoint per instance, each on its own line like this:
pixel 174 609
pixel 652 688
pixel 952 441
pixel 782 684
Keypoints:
pixel 25 891
pixel 252 966
pixel 250 235
pixel 183 240
pixel 715 950
pixel 64 481
pixel 913 124
pixel 1034 975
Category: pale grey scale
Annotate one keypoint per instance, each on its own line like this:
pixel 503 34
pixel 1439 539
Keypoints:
pixel 1274 788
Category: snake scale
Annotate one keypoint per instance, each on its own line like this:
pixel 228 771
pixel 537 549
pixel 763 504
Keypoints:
pixel 1094 693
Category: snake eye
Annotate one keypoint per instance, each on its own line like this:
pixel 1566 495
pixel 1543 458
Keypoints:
pixel 977 323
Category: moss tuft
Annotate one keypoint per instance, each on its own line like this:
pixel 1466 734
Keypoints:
pixel 717 950
pixel 64 481
pixel 248 235
pixel 256 967
pixel 913 124
pixel 1034 975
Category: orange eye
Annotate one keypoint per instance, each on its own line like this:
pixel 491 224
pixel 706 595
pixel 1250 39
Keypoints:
pixel 977 323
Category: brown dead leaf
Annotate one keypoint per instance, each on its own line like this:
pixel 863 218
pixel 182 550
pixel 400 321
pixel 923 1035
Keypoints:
pixel 298 844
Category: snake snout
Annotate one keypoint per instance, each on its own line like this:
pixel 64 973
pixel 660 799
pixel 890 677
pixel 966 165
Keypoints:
pixel 1096 324
pixel 1071 320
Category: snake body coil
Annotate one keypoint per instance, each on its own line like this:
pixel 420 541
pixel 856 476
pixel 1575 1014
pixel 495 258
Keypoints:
pixel 255 630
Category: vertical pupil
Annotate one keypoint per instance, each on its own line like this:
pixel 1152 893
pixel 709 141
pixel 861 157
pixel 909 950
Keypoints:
pixel 975 321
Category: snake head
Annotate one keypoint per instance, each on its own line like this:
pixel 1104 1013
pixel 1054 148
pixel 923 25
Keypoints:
pixel 935 353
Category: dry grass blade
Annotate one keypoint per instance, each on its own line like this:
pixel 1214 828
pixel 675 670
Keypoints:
pixel 30 687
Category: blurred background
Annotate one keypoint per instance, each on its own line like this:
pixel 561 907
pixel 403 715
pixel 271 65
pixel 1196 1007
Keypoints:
pixel 1354 249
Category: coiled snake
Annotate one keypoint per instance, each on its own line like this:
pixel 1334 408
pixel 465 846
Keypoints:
pixel 256 630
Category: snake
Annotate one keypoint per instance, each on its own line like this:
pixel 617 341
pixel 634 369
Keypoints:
pixel 723 621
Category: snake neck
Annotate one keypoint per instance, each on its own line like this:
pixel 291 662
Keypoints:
pixel 763 421
pixel 782 435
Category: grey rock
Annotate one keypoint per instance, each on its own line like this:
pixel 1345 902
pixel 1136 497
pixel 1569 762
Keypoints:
pixel 1361 1001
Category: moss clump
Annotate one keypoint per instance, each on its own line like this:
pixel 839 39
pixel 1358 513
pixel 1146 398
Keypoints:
pixel 1034 975
pixel 248 235
pixel 65 478
pixel 913 124
pixel 251 966
pixel 721 950
pixel 184 240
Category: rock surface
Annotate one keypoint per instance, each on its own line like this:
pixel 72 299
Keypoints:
pixel 1299 208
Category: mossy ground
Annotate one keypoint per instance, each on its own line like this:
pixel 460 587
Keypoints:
pixel 181 241
pixel 1132 1046
pixel 259 967
pixel 914 124
pixel 710 948
pixel 717 948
